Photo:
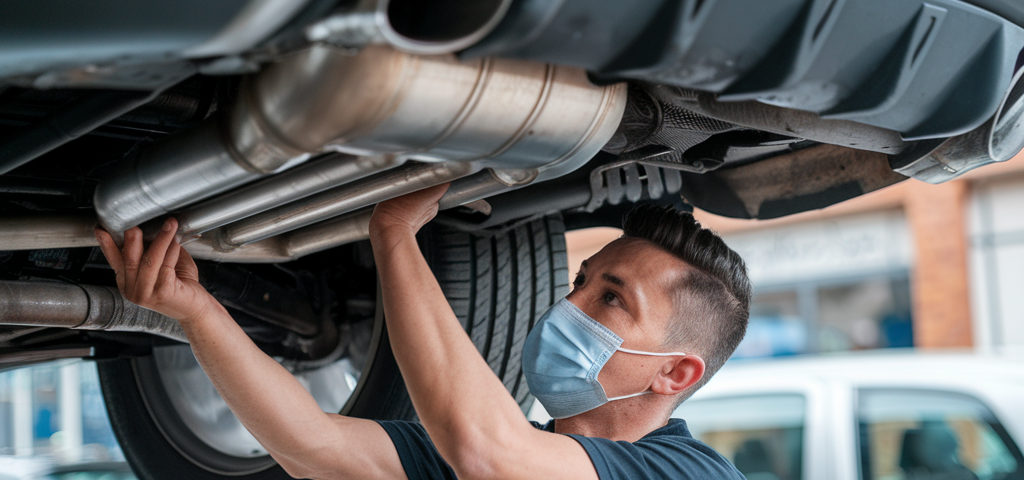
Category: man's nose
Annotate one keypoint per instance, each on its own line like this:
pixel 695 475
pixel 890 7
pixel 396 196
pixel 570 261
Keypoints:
pixel 580 297
pixel 574 297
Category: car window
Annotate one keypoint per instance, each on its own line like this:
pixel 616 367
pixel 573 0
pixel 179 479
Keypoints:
pixel 761 434
pixel 931 435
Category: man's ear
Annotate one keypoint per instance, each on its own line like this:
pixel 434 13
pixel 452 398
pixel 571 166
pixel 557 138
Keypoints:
pixel 678 374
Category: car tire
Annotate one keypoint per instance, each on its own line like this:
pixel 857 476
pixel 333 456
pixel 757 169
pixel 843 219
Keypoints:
pixel 497 283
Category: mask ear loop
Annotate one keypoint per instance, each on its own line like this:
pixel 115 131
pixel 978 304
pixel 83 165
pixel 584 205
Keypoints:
pixel 645 392
pixel 652 354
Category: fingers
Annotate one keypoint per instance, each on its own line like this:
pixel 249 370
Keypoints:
pixel 436 192
pixel 428 196
pixel 131 257
pixel 186 268
pixel 153 259
pixel 113 254
pixel 167 279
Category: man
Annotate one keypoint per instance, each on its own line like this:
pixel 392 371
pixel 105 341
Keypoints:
pixel 641 331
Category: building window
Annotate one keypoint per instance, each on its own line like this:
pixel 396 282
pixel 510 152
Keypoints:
pixel 856 314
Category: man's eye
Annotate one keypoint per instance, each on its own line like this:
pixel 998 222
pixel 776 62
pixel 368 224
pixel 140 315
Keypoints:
pixel 609 297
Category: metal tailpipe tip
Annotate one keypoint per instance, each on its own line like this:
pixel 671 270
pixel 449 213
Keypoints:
pixel 1007 137
pixel 426 27
pixel 997 140
pixel 438 26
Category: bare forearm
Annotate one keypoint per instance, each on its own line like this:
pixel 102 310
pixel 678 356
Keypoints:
pixel 454 391
pixel 267 399
pixel 264 396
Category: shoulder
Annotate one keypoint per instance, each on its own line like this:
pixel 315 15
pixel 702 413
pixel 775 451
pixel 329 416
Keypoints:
pixel 668 452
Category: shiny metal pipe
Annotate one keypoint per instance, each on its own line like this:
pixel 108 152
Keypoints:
pixel 346 198
pixel 290 246
pixel 280 189
pixel 175 172
pixel 71 231
pixel 49 231
pixel 484 184
pixel 348 228
pixel 80 307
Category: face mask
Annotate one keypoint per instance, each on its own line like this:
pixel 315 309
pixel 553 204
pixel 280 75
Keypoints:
pixel 564 354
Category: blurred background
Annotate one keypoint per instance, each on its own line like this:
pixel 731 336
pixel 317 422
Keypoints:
pixel 913 266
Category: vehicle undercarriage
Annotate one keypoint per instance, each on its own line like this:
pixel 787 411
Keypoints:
pixel 269 129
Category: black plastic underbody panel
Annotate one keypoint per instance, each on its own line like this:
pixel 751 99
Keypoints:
pixel 39 35
pixel 927 69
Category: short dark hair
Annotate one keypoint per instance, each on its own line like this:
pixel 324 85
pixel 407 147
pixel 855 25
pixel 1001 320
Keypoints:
pixel 713 304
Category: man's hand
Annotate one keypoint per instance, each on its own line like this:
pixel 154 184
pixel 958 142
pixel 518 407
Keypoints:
pixel 408 213
pixel 163 278
pixel 267 399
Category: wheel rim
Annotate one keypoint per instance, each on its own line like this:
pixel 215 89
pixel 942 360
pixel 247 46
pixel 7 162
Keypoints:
pixel 197 422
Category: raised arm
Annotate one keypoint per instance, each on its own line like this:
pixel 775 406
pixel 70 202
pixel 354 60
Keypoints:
pixel 268 400
pixel 475 423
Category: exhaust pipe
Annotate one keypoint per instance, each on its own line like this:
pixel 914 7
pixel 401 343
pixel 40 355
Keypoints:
pixel 997 140
pixel 497 113
pixel 290 246
pixel 406 179
pixel 292 185
pixel 426 27
pixel 80 307
pixel 72 231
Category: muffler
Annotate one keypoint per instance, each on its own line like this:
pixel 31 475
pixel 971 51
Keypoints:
pixel 494 113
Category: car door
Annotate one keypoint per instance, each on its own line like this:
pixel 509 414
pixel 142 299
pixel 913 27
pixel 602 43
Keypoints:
pixel 771 430
pixel 926 434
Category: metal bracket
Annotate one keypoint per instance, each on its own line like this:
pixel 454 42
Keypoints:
pixel 622 179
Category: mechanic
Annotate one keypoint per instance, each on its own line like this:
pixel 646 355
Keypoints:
pixel 653 315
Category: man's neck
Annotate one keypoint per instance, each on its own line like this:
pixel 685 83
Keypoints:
pixel 627 420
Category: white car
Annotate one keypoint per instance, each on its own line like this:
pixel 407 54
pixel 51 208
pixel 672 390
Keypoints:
pixel 867 416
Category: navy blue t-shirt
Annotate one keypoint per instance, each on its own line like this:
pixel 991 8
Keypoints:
pixel 668 452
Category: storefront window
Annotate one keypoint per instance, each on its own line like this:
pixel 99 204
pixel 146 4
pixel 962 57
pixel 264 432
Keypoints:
pixel 53 421
pixel 872 312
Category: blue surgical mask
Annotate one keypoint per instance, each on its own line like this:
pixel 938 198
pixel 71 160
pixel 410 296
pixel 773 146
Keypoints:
pixel 563 355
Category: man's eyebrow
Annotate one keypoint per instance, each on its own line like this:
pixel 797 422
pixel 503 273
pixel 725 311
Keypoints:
pixel 613 279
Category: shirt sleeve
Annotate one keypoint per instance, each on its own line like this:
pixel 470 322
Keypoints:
pixel 662 457
pixel 419 457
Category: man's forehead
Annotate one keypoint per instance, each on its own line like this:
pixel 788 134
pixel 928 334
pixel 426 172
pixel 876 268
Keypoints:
pixel 637 259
